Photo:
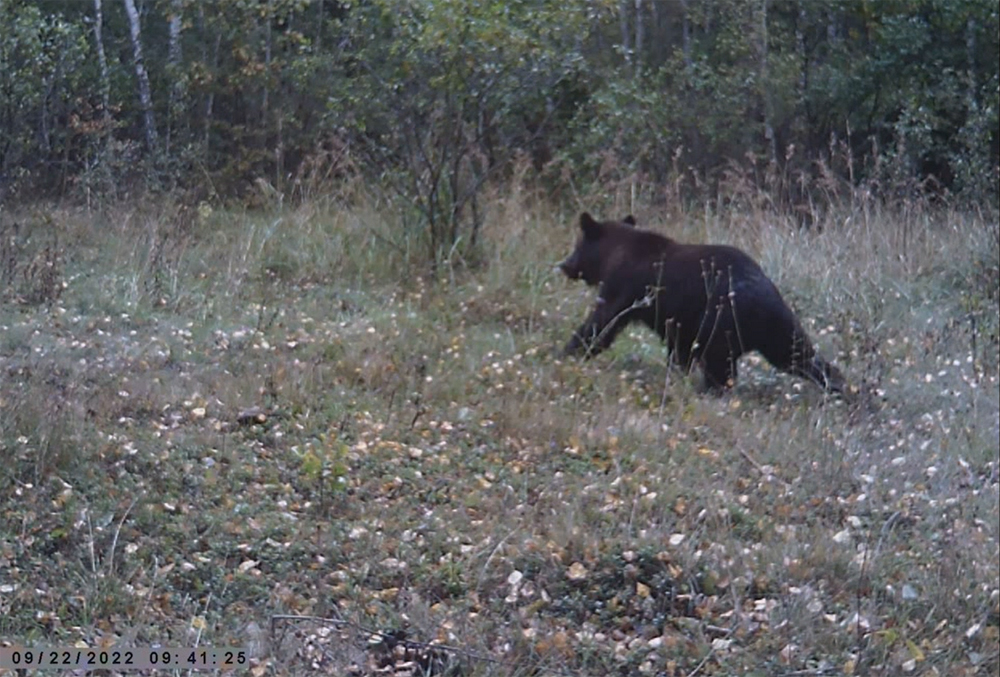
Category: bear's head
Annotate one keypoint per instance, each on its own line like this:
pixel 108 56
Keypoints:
pixel 588 257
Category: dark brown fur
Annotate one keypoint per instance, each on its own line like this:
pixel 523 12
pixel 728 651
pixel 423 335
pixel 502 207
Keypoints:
pixel 709 303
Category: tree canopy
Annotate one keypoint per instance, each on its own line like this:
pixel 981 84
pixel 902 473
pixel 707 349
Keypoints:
pixel 433 98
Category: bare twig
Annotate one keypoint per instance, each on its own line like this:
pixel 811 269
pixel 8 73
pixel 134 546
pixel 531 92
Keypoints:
pixel 759 468
pixel 114 541
pixel 697 668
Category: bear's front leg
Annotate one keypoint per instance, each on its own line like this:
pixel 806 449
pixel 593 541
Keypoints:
pixel 599 331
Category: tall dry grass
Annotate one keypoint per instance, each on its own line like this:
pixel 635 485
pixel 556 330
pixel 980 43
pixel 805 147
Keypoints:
pixel 417 453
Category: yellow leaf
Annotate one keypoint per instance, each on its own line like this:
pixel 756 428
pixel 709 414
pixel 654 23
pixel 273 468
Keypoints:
pixel 388 594
pixel 889 635
pixel 710 453
pixel 577 572
pixel 641 590
pixel 915 651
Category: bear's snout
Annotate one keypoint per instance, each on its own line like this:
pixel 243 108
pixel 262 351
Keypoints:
pixel 569 268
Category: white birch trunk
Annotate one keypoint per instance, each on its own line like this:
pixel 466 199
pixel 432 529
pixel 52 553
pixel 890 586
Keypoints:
pixel 145 96
pixel 102 63
pixel 623 23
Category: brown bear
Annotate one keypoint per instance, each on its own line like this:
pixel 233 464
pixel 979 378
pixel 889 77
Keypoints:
pixel 710 303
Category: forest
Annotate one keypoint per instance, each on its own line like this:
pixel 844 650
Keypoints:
pixel 431 101
pixel 281 331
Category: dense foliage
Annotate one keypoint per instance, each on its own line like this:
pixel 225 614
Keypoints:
pixel 430 99
pixel 252 395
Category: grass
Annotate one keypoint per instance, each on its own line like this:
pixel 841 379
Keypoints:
pixel 213 421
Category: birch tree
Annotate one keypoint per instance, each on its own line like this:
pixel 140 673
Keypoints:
pixel 141 76
pixel 102 62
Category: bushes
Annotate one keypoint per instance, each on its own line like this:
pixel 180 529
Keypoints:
pixel 430 101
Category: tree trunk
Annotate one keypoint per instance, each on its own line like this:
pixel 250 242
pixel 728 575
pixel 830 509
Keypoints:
pixel 640 30
pixel 803 113
pixel 102 63
pixel 145 97
pixel 210 57
pixel 661 39
pixel 319 27
pixel 264 112
pixel 267 62
pixel 176 90
pixel 210 99
pixel 623 22
pixel 970 55
pixel 686 34
pixel 800 49
pixel 764 87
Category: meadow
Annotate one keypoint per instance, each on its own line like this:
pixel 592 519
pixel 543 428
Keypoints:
pixel 279 429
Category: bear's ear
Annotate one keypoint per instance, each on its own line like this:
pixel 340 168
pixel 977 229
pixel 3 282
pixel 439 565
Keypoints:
pixel 629 220
pixel 591 227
